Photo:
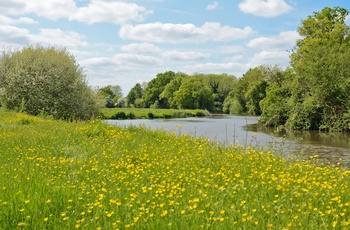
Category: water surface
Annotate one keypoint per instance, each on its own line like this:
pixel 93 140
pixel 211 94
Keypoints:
pixel 240 130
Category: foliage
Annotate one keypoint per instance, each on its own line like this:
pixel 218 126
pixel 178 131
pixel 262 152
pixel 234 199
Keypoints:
pixel 112 94
pixel 220 86
pixel 174 85
pixel 320 89
pixel 48 79
pixel 275 106
pixel 249 91
pixel 193 94
pixel 59 175
pixel 155 87
pixel 135 96
pixel 165 91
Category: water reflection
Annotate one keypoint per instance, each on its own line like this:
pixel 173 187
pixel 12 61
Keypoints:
pixel 242 130
pixel 332 147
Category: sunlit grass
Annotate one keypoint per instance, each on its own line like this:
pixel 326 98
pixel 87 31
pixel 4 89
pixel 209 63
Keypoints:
pixel 58 175
pixel 156 113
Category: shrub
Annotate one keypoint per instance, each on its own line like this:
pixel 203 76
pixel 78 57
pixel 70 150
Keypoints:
pixel 39 79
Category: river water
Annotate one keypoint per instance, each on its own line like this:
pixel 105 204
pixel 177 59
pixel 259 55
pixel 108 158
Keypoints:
pixel 240 130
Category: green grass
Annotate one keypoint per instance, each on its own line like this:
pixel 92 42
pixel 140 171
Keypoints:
pixel 59 175
pixel 152 113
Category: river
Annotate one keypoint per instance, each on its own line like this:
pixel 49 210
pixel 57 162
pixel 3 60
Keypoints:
pixel 240 130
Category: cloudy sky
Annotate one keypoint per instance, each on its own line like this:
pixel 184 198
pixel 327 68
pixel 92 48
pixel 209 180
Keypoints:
pixel 124 42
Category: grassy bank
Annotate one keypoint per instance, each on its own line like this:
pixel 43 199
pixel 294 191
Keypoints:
pixel 58 175
pixel 133 113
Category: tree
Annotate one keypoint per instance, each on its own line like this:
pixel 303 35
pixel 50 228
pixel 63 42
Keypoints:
pixel 248 92
pixel 155 87
pixel 134 96
pixel 169 90
pixel 220 85
pixel 38 79
pixel 275 106
pixel 321 62
pixel 111 93
pixel 193 94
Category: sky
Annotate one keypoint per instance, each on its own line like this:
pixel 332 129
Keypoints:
pixel 124 42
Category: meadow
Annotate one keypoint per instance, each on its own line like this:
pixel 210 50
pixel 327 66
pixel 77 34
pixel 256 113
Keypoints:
pixel 90 175
pixel 149 113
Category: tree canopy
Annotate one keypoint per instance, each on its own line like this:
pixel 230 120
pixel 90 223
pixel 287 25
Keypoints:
pixel 45 80
pixel 318 88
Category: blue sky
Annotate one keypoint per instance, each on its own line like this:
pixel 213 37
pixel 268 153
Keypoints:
pixel 127 42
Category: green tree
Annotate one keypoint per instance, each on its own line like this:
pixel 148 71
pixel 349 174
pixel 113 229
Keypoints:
pixel 47 80
pixel 155 87
pixel 320 98
pixel 248 92
pixel 111 93
pixel 275 106
pixel 135 96
pixel 194 94
pixel 174 85
pixel 220 85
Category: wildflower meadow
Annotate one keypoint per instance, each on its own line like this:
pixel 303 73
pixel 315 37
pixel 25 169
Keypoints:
pixel 90 175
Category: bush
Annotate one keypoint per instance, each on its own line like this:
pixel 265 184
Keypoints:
pixel 131 116
pixel 150 115
pixel 119 116
pixel 39 79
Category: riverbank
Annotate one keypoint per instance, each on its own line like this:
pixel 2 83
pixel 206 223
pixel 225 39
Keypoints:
pixel 147 113
pixel 59 175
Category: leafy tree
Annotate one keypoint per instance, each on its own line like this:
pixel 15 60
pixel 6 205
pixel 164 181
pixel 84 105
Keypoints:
pixel 220 85
pixel 155 87
pixel 111 94
pixel 135 95
pixel 49 80
pixel 169 90
pixel 193 94
pixel 320 95
pixel 275 106
pixel 248 92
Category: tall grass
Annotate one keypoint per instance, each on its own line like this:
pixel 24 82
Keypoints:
pixel 58 175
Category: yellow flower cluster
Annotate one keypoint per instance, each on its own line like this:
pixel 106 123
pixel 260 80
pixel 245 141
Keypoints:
pixel 57 175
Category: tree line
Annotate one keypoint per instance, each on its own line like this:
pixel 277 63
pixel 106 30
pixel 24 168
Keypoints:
pixel 311 94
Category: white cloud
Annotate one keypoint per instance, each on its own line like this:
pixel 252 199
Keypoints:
pixel 231 49
pixel 26 20
pixel 284 41
pixel 117 12
pixel 121 60
pixel 178 33
pixel 265 8
pixel 135 59
pixel 140 48
pixel 213 6
pixel 234 58
pixel 236 69
pixel 109 11
pixel 270 58
pixel 11 35
pixel 185 56
pixel 59 37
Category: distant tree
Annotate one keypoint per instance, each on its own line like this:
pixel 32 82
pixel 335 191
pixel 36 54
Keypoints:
pixel 276 105
pixel 193 94
pixel 168 93
pixel 248 92
pixel 220 85
pixel 45 79
pixel 111 93
pixel 155 87
pixel 134 96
